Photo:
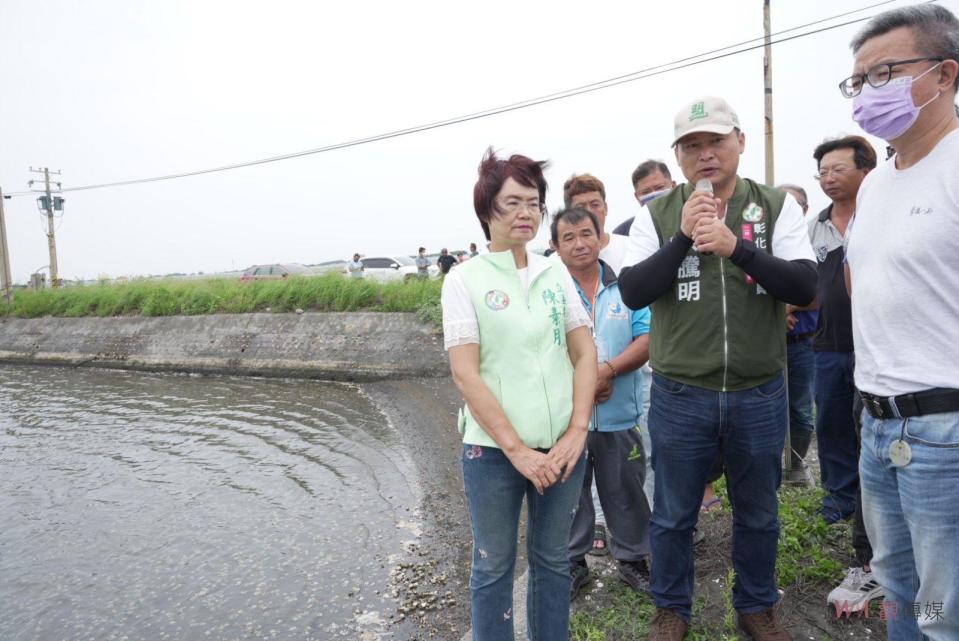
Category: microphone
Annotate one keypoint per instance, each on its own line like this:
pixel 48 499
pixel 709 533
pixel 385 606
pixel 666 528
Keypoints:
pixel 704 185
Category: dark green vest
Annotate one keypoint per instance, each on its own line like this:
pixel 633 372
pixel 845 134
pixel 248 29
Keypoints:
pixel 716 327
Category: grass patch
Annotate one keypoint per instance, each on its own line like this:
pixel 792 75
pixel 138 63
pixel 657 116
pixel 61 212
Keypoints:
pixel 807 546
pixel 329 293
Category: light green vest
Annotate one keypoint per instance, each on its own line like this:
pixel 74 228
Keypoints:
pixel 523 357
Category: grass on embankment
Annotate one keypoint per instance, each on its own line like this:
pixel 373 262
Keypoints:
pixel 329 293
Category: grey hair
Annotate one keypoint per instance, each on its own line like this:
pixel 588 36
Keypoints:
pixel 796 188
pixel 935 30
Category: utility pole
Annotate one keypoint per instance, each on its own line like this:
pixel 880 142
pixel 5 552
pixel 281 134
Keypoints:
pixel 49 204
pixel 768 87
pixel 6 284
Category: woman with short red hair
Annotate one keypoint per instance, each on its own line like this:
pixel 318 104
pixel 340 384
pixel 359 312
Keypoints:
pixel 522 355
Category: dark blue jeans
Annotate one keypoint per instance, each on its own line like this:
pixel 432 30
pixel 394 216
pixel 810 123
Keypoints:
pixel 801 370
pixel 836 431
pixel 495 493
pixel 689 426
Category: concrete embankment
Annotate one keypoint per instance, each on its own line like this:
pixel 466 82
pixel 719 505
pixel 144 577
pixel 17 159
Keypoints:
pixel 350 346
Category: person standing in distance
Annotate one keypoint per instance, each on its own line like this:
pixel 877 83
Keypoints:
pixel 902 254
pixel 717 267
pixel 422 264
pixel 445 262
pixel 355 267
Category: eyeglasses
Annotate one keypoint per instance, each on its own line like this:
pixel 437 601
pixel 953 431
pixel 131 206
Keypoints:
pixel 513 206
pixel 877 76
pixel 838 172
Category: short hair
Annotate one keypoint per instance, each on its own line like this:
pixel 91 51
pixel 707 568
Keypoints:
pixel 421 249
pixel 573 216
pixel 582 184
pixel 796 188
pixel 649 167
pixel 863 152
pixel 493 173
pixel 935 30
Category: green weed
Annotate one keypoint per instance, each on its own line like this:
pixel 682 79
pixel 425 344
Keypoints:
pixel 329 293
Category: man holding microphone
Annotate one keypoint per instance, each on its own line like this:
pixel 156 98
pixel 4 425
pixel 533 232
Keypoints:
pixel 717 263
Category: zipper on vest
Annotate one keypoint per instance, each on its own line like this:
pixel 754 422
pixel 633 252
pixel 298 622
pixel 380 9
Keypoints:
pixel 722 286
pixel 529 310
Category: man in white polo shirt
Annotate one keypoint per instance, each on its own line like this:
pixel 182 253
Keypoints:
pixel 903 262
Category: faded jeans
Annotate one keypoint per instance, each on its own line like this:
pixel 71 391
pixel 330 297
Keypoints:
pixel 912 518
pixel 494 492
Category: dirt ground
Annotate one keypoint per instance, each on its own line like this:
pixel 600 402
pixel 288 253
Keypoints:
pixel 432 587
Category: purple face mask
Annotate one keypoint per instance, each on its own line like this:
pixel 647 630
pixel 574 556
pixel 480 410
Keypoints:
pixel 888 112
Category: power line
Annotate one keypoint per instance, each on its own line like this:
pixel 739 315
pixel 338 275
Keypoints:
pixel 641 74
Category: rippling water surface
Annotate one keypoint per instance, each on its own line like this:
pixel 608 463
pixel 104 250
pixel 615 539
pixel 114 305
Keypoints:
pixel 140 506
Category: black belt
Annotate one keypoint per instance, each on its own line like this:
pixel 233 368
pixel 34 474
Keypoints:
pixel 800 337
pixel 931 401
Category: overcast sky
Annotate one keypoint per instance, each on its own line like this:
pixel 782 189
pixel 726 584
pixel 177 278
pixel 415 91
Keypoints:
pixel 114 90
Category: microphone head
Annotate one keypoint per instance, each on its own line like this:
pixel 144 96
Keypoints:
pixel 703 184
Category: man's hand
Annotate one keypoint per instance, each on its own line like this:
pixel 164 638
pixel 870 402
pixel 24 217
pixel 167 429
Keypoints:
pixel 604 383
pixel 700 205
pixel 791 321
pixel 539 468
pixel 712 235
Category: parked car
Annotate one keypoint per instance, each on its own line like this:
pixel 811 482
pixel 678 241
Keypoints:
pixel 275 271
pixel 391 267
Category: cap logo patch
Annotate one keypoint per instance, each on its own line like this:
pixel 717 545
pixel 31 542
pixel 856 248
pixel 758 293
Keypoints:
pixel 697 111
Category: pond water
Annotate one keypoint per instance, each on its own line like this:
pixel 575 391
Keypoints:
pixel 145 506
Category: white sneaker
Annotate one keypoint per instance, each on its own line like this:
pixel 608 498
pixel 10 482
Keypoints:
pixel 855 592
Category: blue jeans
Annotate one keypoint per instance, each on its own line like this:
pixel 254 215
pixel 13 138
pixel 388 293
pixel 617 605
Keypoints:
pixel 689 426
pixel 801 369
pixel 912 519
pixel 494 493
pixel 836 431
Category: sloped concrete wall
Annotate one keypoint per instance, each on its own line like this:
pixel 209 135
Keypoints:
pixel 355 346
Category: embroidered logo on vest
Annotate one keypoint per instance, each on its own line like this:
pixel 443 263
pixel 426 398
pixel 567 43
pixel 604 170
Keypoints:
pixel 497 300
pixel 753 213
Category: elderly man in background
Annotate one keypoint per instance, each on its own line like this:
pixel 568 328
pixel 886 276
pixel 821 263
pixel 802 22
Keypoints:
pixel 615 452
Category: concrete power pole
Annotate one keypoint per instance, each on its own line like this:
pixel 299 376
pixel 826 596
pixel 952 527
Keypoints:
pixel 49 205
pixel 768 85
pixel 6 279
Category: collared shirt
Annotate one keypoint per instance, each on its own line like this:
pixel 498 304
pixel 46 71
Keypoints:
pixel 639 318
pixel 834 328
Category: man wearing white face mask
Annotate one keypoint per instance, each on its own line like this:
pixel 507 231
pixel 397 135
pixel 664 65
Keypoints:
pixel 903 274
